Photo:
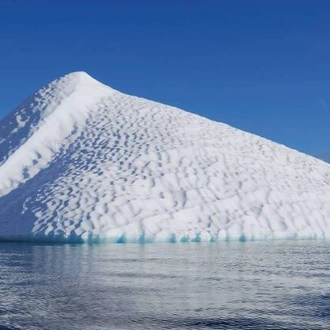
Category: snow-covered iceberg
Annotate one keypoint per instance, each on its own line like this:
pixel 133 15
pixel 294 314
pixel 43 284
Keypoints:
pixel 80 161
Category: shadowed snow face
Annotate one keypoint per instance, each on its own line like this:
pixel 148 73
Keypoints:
pixel 80 161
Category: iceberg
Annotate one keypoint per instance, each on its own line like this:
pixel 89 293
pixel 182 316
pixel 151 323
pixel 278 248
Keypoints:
pixel 82 162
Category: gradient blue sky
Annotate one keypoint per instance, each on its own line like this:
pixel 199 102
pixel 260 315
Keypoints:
pixel 261 66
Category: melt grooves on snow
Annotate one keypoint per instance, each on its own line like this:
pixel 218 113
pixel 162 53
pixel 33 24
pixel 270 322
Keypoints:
pixel 80 161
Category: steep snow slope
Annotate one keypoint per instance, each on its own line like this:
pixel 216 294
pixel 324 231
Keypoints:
pixel 80 161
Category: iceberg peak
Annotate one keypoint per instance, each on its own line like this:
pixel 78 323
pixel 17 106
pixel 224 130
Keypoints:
pixel 76 79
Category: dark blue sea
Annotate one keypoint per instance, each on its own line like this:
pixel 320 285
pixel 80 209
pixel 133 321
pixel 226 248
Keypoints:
pixel 229 285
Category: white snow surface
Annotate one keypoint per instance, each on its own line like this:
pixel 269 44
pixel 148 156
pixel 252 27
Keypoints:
pixel 82 162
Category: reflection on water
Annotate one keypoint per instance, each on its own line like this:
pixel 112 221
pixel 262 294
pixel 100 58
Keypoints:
pixel 252 285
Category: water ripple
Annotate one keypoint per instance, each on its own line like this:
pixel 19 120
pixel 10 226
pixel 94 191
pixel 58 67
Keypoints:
pixel 251 285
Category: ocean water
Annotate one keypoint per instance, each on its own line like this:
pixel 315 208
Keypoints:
pixel 234 285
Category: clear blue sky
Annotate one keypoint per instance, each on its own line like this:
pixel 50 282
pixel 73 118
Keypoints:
pixel 261 66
